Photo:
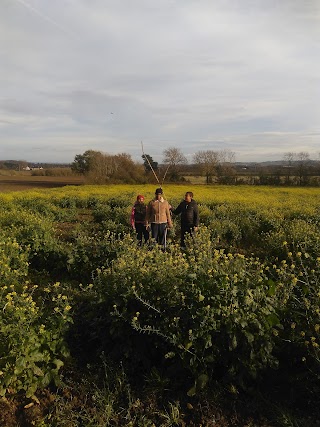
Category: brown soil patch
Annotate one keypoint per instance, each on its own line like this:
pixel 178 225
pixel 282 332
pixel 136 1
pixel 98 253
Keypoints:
pixel 22 182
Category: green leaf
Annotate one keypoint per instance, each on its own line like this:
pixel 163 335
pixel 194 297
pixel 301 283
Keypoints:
pixel 58 363
pixel 201 381
pixel 233 343
pixel 272 287
pixel 243 323
pixel 273 319
pixel 249 336
pixel 37 371
pixel 192 391
pixel 188 345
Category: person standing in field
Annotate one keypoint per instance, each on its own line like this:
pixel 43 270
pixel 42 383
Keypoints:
pixel 138 219
pixel 189 211
pixel 158 215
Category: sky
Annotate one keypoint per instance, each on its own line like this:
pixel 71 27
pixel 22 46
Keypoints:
pixel 241 75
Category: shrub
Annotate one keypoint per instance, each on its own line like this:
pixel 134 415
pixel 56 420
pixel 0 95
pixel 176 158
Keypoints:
pixel 32 325
pixel 204 308
pixel 32 346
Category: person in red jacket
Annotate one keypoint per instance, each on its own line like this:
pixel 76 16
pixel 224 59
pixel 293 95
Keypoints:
pixel 138 219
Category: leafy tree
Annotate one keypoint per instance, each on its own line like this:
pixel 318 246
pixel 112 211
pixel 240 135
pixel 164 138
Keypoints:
pixel 81 163
pixel 147 161
pixel 103 168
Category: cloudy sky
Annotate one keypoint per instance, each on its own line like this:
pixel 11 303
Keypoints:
pixel 242 75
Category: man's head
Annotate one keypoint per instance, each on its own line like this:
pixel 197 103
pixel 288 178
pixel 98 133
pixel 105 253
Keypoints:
pixel 140 198
pixel 188 196
pixel 158 193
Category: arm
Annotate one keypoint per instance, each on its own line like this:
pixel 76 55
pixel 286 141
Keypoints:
pixel 178 210
pixel 196 216
pixel 148 213
pixel 145 218
pixel 168 216
pixel 132 217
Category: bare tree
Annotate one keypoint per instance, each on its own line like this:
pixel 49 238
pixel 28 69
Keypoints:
pixel 288 159
pixel 174 159
pixel 227 156
pixel 207 162
pixel 102 168
pixel 225 169
pixel 302 160
pixel 297 163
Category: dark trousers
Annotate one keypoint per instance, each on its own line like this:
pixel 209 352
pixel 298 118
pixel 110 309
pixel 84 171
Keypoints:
pixel 159 233
pixel 142 232
pixel 186 229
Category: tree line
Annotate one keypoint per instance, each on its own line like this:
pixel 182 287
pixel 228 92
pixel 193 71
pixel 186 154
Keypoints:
pixel 214 166
pixel 102 168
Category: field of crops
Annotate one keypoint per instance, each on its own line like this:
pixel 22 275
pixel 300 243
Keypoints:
pixel 110 333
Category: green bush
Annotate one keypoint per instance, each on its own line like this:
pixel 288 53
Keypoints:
pixel 33 323
pixel 32 346
pixel 208 310
pixel 13 261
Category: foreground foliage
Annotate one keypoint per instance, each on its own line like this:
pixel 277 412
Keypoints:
pixel 238 308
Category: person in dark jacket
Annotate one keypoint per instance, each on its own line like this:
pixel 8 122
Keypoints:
pixel 138 219
pixel 189 211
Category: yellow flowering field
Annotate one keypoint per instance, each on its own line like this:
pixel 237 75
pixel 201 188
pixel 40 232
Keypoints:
pixel 241 303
